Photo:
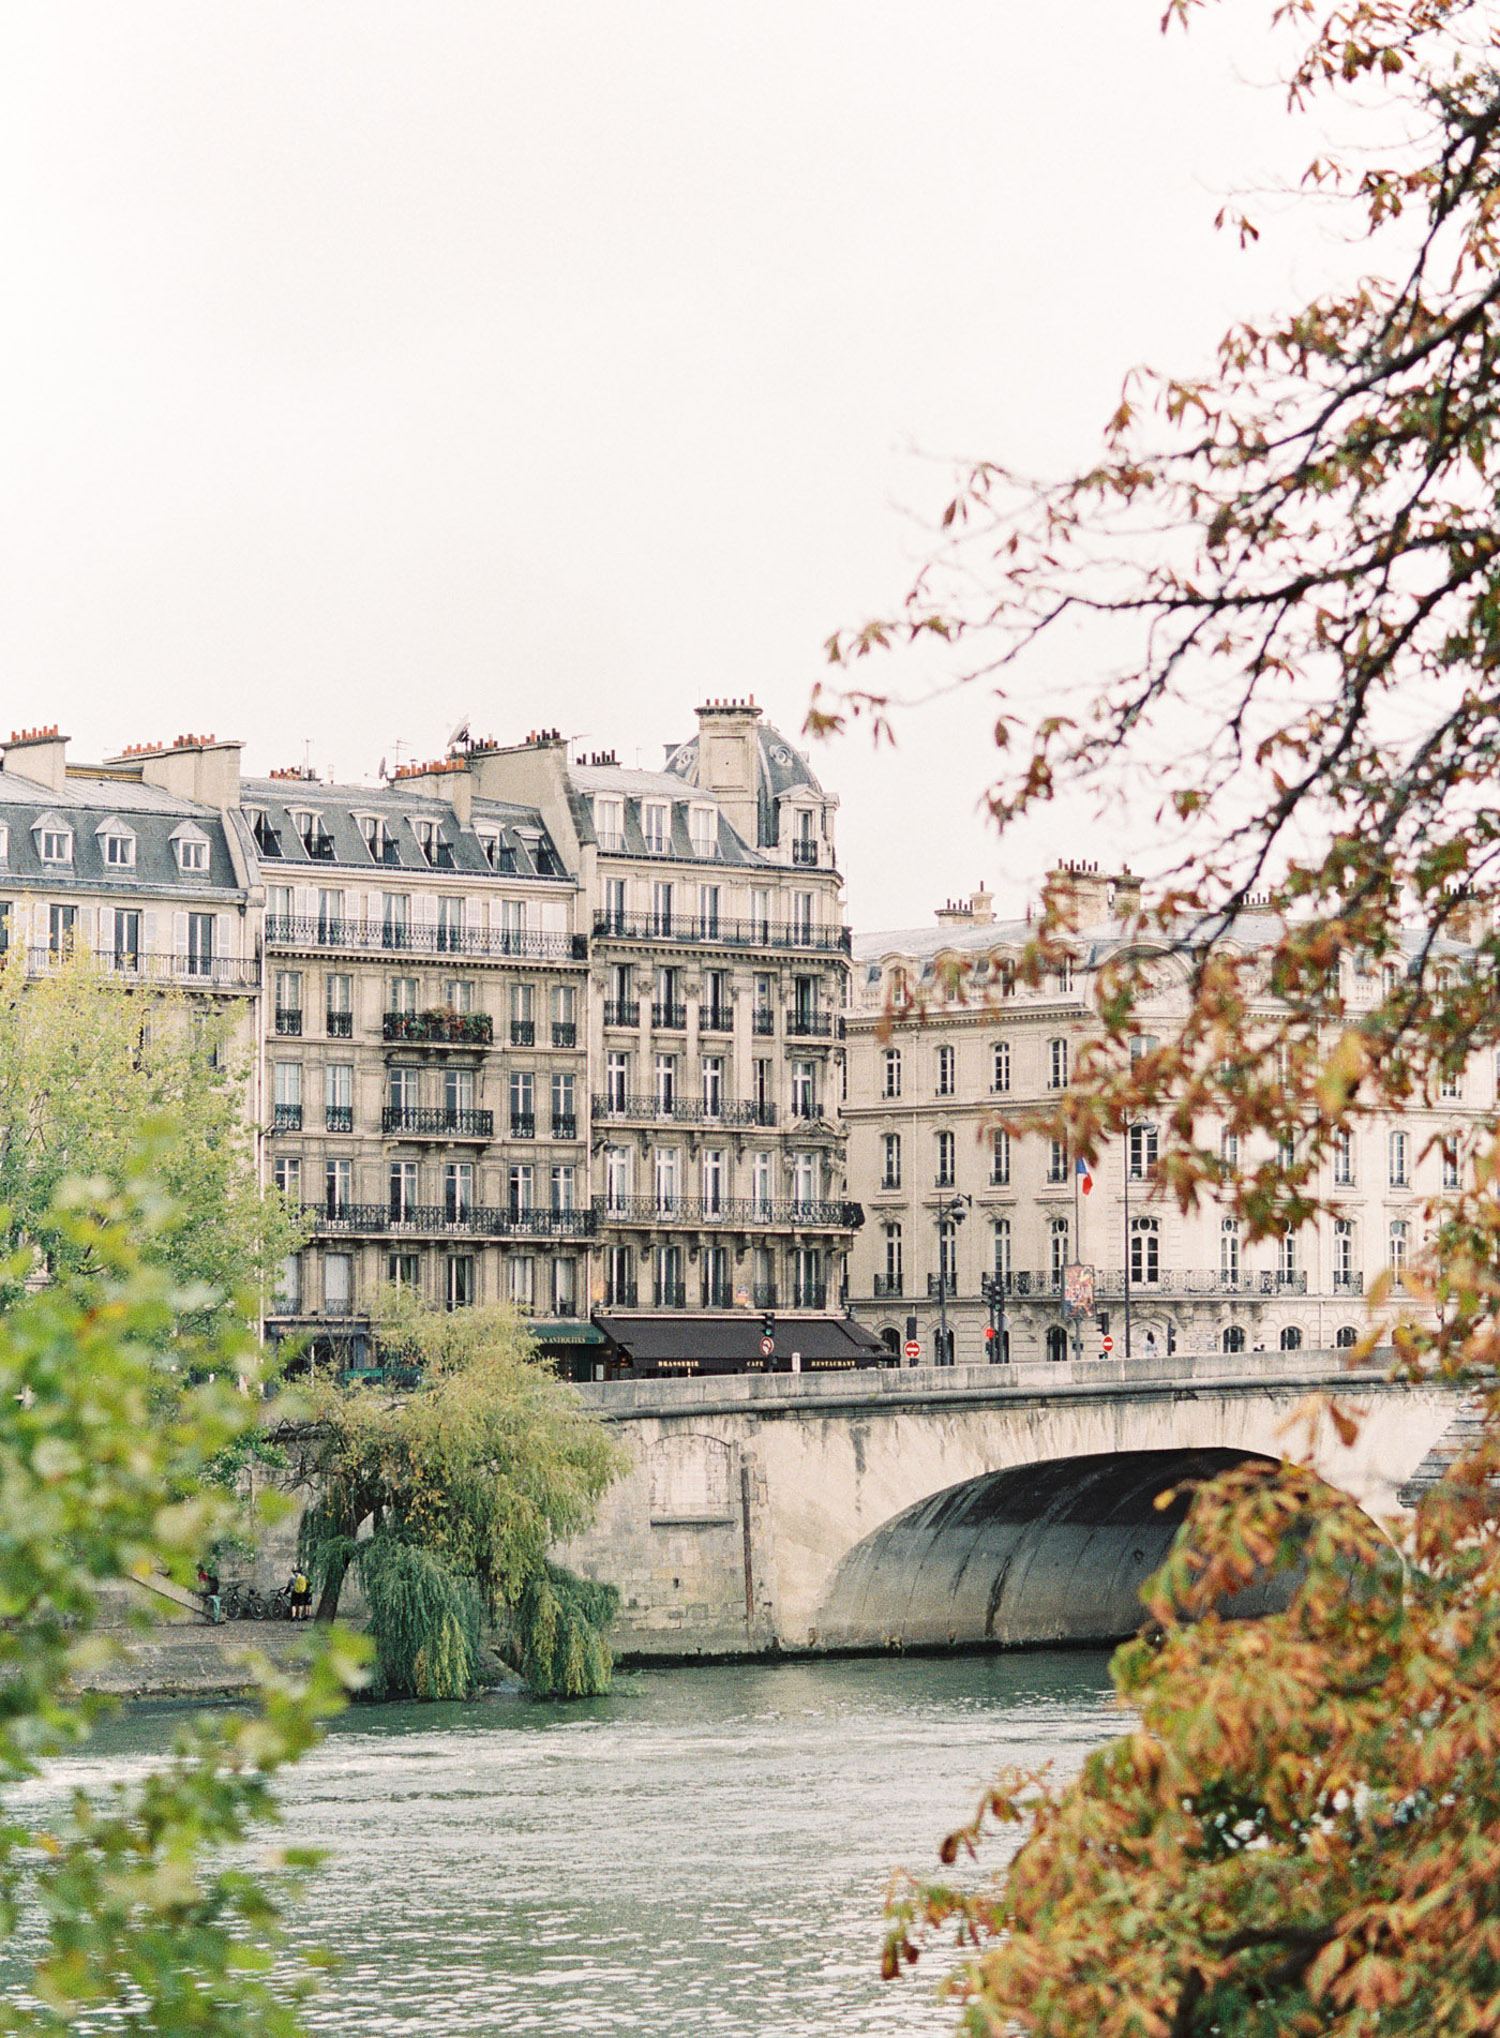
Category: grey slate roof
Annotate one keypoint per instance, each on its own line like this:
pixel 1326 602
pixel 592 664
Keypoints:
pixel 151 816
pixel 527 847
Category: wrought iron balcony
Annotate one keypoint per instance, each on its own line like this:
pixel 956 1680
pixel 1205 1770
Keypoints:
pixel 474 1220
pixel 671 1018
pixel 339 1117
pixel 288 1019
pixel 812 1025
pixel 715 1019
pixel 718 932
pixel 340 1025
pixel 1202 1283
pixel 287 1118
pixel 764 1023
pixel 523 1125
pixel 439 1028
pixel 132 966
pixel 564 1033
pixel 732 1213
pixel 430 1121
pixel 889 1284
pixel 523 1033
pixel 299 931
pixel 564 1125
pixel 1349 1284
pixel 809 1295
pixel 763 1295
pixel 670 1295
pixel 805 853
pixel 620 1294
pixel 683 1111
pixel 622 1012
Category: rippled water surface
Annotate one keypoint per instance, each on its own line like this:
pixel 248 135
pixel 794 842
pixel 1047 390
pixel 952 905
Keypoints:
pixel 704 1852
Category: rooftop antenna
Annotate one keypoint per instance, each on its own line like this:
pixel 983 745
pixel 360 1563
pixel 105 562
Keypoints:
pixel 397 747
pixel 460 733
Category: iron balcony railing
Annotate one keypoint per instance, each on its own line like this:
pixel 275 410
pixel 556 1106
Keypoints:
pixel 564 1033
pixel 670 1018
pixel 428 1119
pixel 340 1025
pixel 809 1295
pixel 764 1022
pixel 622 1012
pixel 288 1019
pixel 763 1295
pixel 888 1284
pixel 715 1019
pixel 308 931
pixel 474 1220
pixel 683 1111
pixel 721 933
pixel 339 1117
pixel 814 1026
pixel 1110 1284
pixel 805 853
pixel 564 1125
pixel 132 966
pixel 1349 1284
pixel 620 1294
pixel 523 1125
pixel 523 1033
pixel 286 1118
pixel 718 1213
pixel 439 1028
pixel 670 1295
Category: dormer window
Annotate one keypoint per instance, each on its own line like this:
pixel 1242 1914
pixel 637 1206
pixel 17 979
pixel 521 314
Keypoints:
pixel 191 847
pixel 267 840
pixel 609 822
pixel 315 838
pixel 378 839
pixel 656 826
pixel 489 845
pixel 54 839
pixel 4 843
pixel 703 828
pixel 116 844
pixel 430 840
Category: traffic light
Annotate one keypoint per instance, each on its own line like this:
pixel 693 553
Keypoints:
pixel 768 1324
pixel 1171 1339
pixel 1102 1319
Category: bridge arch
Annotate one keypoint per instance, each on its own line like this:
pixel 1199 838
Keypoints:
pixel 1052 1551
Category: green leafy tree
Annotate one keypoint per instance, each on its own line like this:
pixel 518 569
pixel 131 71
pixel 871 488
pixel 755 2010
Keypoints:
pixel 154 1918
pixel 84 1065
pixel 1291 566
pixel 445 1501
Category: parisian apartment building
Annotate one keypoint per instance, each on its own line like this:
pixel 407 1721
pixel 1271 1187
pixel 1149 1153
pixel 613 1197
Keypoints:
pixel 969 1227
pixel 525 1026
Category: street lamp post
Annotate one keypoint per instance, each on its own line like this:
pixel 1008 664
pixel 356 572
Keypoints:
pixel 952 1212
pixel 1128 1130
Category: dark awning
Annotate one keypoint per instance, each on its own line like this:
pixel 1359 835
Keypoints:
pixel 565 1330
pixel 678 1343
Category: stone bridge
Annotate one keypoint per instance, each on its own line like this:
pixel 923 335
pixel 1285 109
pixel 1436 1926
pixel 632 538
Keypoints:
pixel 966 1506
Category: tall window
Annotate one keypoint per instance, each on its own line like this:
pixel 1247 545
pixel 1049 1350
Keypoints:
pixel 564 1105
pixel 1398 1246
pixel 1058 1248
pixel 1234 1338
pixel 713 1085
pixel 616 1177
pixel 945 1160
pixel 459 1287
pixel 761 1183
pixel 661 909
pixel 1057 1064
pixel 458 1191
pixel 1142 1152
pixel 450 927
pixel 947 1071
pixel 999 1158
pixel 1398 1147
pixel 1145 1251
pixel 127 938
pixel 804 1180
pixel 703 829
pixel 890 1177
pixel 893 1276
pixel 338 1095
pixel 616 1081
pixel 1057 1161
pixel 656 826
pixel 804 1084
pixel 717 1291
pixel 1450 1164
pixel 948 1254
pixel 1343 1158
pixel 1343 1253
pixel 62 925
pixel 666 1085
pixel 1000 1066
pixel 1229 1151
pixel 1286 1259
pixel 520 1186
pixel 403 1189
pixel 892 1072
pixel 200 955
pixel 563 1182
pixel 1229 1253
pixel 1001 1258
pixel 668 1177
pixel 715 1181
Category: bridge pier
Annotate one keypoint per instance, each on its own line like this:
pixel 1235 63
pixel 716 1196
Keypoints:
pixel 778 1513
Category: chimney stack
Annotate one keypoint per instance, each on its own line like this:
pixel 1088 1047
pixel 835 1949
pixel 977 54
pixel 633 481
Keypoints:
pixel 37 754
pixel 198 768
pixel 729 762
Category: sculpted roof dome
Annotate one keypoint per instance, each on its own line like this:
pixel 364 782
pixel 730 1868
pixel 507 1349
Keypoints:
pixel 779 767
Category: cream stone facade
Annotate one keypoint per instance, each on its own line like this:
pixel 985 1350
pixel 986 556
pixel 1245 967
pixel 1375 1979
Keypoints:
pixel 948 1193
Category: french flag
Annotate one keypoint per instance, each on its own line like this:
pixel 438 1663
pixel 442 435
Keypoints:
pixel 1085 1177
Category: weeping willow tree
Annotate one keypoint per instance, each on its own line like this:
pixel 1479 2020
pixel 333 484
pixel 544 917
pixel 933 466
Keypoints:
pixel 445 1502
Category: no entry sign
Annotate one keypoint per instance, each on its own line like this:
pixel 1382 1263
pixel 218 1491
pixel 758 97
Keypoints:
pixel 1108 1343
pixel 912 1349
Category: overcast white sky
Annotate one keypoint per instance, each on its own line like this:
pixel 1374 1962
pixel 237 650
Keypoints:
pixel 370 365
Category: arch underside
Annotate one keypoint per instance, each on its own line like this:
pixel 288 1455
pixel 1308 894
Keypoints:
pixel 1050 1552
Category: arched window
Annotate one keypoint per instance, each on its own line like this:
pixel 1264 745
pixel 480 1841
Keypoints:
pixel 1229 1263
pixel 1343 1158
pixel 1057 1342
pixel 1399 1178
pixel 1000 1069
pixel 1291 1338
pixel 1345 1337
pixel 891 1173
pixel 1398 1246
pixel 1234 1338
pixel 945 1160
pixel 1145 1251
pixel 892 1072
pixel 890 1337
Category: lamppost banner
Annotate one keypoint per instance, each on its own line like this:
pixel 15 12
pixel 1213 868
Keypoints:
pixel 1078 1290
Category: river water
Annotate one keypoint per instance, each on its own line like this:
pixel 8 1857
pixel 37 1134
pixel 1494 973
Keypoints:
pixel 703 1854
